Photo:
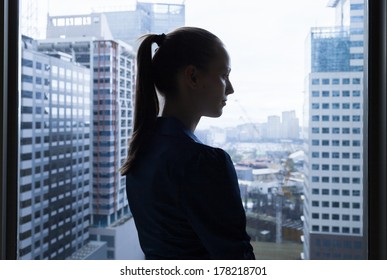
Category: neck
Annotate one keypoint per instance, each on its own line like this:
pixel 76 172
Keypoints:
pixel 182 113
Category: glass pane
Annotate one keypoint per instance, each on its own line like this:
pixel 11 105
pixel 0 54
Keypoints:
pixel 293 127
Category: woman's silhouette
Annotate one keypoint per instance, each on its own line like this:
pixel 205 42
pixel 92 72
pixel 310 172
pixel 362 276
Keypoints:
pixel 184 195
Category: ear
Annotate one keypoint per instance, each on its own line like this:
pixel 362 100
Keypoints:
pixel 191 76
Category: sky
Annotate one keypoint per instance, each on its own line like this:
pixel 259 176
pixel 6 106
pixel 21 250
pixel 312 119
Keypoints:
pixel 266 41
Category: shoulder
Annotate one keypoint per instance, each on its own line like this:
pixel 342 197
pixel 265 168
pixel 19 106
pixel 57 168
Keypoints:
pixel 198 152
pixel 201 160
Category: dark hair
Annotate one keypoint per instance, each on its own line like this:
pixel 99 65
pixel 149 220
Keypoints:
pixel 178 49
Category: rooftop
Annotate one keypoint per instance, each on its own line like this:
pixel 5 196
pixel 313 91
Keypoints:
pixel 86 250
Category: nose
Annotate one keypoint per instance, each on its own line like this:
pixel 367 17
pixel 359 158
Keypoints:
pixel 229 88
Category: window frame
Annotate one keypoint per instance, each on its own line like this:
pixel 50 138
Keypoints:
pixel 375 137
pixel 375 123
pixel 9 127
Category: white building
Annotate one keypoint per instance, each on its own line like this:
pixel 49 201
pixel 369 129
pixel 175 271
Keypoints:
pixel 333 206
pixel 55 162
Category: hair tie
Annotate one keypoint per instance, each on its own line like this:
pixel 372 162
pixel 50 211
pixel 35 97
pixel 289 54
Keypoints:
pixel 159 39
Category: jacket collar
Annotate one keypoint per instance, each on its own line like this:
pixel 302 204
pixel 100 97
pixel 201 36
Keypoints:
pixel 173 127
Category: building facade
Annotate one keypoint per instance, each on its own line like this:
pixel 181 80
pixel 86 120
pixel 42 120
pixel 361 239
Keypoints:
pixel 111 66
pixel 334 190
pixel 125 25
pixel 55 163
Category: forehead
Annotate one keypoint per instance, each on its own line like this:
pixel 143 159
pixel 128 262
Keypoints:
pixel 222 60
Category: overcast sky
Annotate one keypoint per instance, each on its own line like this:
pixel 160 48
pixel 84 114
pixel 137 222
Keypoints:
pixel 266 43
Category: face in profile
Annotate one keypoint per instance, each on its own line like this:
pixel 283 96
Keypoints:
pixel 215 85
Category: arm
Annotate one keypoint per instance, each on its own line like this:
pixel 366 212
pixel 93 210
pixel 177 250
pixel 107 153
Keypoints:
pixel 210 198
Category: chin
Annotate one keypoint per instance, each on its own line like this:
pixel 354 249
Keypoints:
pixel 214 114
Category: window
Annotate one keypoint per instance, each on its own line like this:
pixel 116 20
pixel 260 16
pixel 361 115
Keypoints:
pixel 325 81
pixel 315 81
pixel 316 118
pixel 315 167
pixel 315 142
pixel 346 105
pixel 357 6
pixel 345 79
pixel 325 191
pixel 335 81
pixel 356 93
pixel 315 130
pixel 336 167
pixel 345 167
pixel 335 93
pixel 345 192
pixel 315 179
pixel 336 130
pixel 346 93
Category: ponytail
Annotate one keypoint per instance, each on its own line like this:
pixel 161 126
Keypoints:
pixel 182 47
pixel 146 102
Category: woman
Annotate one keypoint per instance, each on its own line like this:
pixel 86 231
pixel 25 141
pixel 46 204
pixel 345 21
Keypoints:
pixel 184 195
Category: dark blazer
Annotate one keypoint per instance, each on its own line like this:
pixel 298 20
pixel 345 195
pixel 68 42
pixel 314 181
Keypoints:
pixel 185 199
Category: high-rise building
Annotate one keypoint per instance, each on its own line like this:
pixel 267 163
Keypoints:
pixel 273 127
pixel 127 25
pixel 290 125
pixel 111 66
pixel 334 204
pixel 55 163
pixel 287 128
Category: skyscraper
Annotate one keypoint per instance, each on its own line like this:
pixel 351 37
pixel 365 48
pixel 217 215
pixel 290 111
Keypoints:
pixel 111 66
pixel 290 125
pixel 55 162
pixel 333 206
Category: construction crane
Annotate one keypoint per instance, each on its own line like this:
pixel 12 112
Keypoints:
pixel 282 192
pixel 246 115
